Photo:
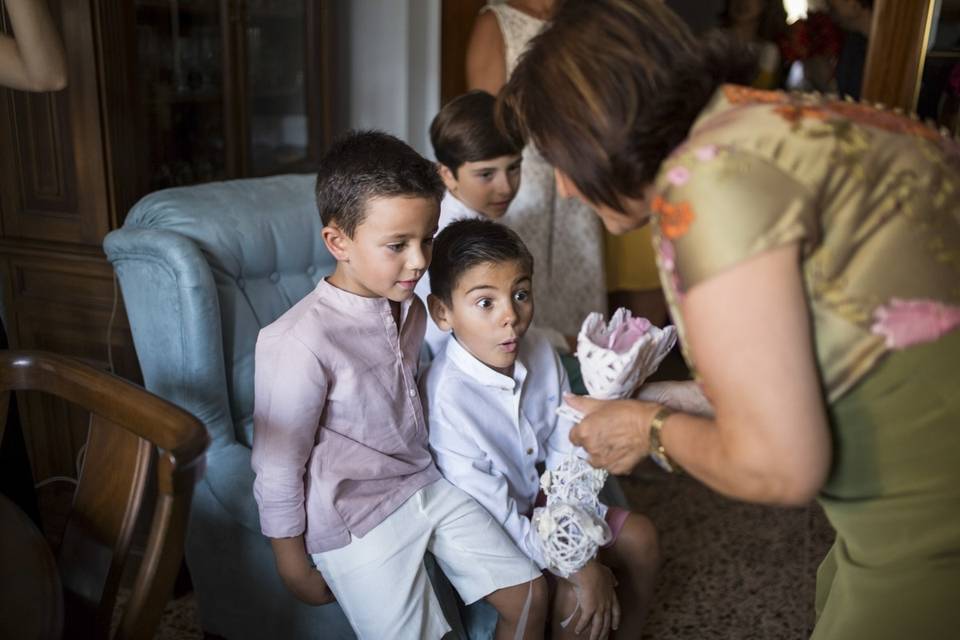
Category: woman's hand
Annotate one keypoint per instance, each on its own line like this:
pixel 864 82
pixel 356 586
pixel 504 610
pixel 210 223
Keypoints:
pixel 613 432
pixel 685 396
pixel 595 585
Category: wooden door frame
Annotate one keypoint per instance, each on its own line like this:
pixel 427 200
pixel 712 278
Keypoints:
pixel 456 24
pixel 897 52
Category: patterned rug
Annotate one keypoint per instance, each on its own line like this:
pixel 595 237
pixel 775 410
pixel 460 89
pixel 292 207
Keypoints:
pixel 731 570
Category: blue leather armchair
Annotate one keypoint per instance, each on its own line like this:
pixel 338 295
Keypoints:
pixel 202 269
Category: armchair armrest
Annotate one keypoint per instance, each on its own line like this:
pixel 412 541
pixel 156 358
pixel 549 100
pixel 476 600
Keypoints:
pixel 174 314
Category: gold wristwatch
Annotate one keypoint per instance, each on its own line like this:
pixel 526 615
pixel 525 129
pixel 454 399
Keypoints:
pixel 657 452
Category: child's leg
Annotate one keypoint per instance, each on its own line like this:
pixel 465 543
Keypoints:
pixel 510 603
pixel 481 561
pixel 380 580
pixel 634 558
pixel 563 605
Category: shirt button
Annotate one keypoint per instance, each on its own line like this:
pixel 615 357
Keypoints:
pixel 412 392
pixel 529 452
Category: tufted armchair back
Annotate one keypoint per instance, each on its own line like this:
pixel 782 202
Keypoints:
pixel 261 241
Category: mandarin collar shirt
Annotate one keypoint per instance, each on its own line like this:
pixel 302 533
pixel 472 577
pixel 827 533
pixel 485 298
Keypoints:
pixel 340 440
pixel 489 431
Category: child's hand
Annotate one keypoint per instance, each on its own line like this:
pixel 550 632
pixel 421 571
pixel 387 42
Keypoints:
pixel 309 587
pixel 298 575
pixel 594 585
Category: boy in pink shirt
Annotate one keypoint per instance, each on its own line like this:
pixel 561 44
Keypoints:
pixel 344 473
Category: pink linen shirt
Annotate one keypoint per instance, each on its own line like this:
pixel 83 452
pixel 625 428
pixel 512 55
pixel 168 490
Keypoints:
pixel 339 437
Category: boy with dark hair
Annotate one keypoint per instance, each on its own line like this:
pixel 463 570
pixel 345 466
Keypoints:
pixel 492 395
pixel 480 168
pixel 344 473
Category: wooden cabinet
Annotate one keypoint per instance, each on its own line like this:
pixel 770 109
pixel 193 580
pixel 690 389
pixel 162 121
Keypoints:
pixel 161 93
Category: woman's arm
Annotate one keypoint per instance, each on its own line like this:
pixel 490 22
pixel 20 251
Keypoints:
pixel 486 55
pixel 34 61
pixel 748 329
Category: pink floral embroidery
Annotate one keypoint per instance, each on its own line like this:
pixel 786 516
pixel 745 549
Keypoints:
pixel 706 153
pixel 678 176
pixel 905 323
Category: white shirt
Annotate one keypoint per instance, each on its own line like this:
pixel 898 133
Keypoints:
pixel 488 431
pixel 451 209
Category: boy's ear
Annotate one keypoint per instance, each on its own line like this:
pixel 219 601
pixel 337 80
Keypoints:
pixel 439 312
pixel 337 242
pixel 449 177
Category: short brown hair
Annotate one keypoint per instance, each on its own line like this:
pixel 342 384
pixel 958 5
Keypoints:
pixel 465 130
pixel 611 87
pixel 361 165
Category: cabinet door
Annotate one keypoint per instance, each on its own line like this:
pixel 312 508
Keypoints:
pixel 283 63
pixel 182 103
pixel 52 178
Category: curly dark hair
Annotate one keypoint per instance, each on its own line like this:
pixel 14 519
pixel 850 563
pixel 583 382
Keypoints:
pixel 361 165
pixel 611 87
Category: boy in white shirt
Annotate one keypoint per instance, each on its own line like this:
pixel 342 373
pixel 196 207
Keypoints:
pixel 491 396
pixel 479 166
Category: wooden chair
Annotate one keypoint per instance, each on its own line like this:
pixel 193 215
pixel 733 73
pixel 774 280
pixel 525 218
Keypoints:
pixel 133 433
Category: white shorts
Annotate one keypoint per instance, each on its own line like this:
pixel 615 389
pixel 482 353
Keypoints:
pixel 380 580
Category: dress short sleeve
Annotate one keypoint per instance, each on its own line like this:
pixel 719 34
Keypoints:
pixel 717 206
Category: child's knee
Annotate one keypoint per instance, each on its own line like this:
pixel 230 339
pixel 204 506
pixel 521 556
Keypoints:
pixel 511 601
pixel 638 541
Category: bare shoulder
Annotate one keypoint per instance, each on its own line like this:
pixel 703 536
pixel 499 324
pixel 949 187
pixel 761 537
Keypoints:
pixel 486 55
pixel 486 32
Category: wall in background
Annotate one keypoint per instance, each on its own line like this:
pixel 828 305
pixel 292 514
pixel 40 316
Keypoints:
pixel 388 67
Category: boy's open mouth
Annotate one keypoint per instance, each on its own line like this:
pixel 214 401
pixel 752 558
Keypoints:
pixel 509 345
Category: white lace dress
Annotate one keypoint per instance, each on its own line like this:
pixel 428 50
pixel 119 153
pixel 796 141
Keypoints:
pixel 564 235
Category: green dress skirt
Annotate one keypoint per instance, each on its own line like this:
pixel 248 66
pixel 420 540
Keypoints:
pixel 894 499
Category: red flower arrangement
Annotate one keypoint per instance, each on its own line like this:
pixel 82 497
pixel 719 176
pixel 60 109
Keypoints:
pixel 816 35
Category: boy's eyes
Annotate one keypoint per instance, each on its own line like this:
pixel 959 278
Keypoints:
pixel 398 247
pixel 522 295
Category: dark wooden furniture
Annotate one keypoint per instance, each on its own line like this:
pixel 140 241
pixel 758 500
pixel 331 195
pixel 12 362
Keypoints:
pixel 160 93
pixel 456 24
pixel 137 443
pixel 897 50
pixel 31 595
